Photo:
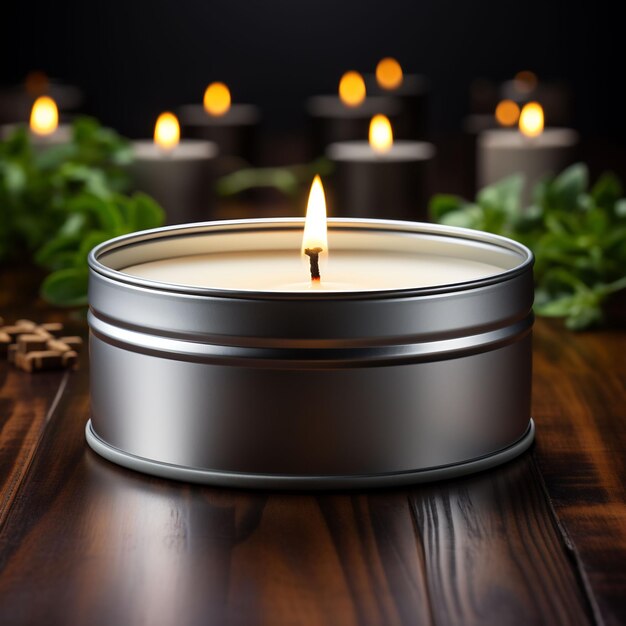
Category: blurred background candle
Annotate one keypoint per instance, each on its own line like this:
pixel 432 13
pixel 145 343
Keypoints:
pixel 555 97
pixel 346 116
pixel 43 125
pixel 531 150
pixel 506 115
pixel 381 177
pixel 16 101
pixel 232 127
pixel 177 174
pixel 413 92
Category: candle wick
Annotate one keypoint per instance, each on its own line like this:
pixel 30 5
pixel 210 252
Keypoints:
pixel 314 256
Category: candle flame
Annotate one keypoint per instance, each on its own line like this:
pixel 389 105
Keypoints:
pixel 44 116
pixel 525 81
pixel 381 135
pixel 507 113
pixel 315 229
pixel 531 120
pixel 167 131
pixel 389 73
pixel 217 99
pixel 352 89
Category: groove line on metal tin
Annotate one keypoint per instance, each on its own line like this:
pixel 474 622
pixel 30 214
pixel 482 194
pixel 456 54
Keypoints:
pixel 309 357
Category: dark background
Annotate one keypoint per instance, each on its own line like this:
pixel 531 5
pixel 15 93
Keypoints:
pixel 136 58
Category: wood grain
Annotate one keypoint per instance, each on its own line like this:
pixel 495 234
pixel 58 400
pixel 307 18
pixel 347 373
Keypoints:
pixel 83 541
pixel 580 407
pixel 87 542
pixel 22 424
pixel 494 554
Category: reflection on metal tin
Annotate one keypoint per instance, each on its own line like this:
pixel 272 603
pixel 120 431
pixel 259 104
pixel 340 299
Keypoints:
pixel 213 360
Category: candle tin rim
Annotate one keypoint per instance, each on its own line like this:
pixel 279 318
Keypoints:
pixel 338 223
pixel 410 387
pixel 247 480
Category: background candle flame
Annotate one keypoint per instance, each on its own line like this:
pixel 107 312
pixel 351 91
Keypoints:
pixel 525 81
pixel 217 99
pixel 315 229
pixel 531 120
pixel 507 113
pixel 380 135
pixel 167 131
pixel 44 116
pixel 389 73
pixel 352 89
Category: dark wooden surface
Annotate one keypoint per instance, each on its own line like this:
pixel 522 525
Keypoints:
pixel 541 540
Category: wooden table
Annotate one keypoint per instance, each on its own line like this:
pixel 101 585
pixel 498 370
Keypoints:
pixel 541 540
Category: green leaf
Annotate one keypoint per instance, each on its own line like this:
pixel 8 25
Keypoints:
pixel 143 213
pixel 584 318
pixel 56 249
pixel 607 190
pixel 89 242
pixel 555 308
pixel 578 238
pixel 17 145
pixel 73 225
pixel 569 184
pixel 55 156
pixel 503 196
pixel 66 287
pixel 14 177
pixel 470 216
pixel 444 203
pixel 105 214
pixel 597 221
pixel 84 128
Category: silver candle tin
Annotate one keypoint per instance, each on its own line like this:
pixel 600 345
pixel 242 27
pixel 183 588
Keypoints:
pixel 309 390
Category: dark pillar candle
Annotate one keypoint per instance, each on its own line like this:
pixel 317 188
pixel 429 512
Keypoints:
pixel 413 93
pixel 332 121
pixel 180 180
pixel 16 102
pixel 393 185
pixel 235 132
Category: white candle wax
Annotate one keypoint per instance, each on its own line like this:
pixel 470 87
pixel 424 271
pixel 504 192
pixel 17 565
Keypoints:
pixel 357 262
pixel 400 152
pixel 186 150
pixel 504 152
pixel 284 271
pixel 60 136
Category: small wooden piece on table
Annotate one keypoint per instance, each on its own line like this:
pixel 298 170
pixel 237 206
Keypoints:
pixel 36 347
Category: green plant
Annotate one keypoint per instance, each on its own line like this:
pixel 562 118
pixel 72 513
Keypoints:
pixel 577 234
pixel 57 204
pixel 288 180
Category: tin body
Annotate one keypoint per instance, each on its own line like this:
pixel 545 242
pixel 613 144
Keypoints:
pixel 261 389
